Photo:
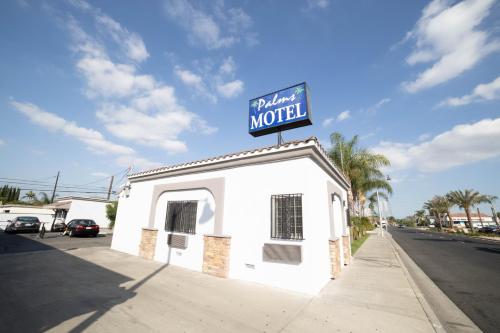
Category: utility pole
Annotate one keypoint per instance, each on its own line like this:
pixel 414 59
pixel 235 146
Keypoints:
pixel 55 187
pixel 110 186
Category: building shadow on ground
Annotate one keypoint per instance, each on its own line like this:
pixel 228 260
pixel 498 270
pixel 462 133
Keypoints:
pixel 42 287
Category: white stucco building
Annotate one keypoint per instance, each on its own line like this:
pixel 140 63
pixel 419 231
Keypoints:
pixel 69 208
pixel 478 221
pixel 10 211
pixel 275 215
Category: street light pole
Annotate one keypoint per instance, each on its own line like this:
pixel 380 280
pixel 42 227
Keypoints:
pixel 380 215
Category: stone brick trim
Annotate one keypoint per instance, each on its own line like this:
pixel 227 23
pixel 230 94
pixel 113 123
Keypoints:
pixel 216 255
pixel 346 242
pixel 148 243
pixel 334 257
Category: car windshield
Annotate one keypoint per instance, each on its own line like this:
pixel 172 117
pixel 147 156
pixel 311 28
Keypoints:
pixel 27 219
pixel 85 222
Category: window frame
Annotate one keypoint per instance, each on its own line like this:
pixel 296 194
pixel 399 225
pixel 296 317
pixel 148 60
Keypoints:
pixel 296 235
pixel 187 228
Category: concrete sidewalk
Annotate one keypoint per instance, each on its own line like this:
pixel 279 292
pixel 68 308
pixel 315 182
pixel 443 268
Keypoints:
pixel 374 294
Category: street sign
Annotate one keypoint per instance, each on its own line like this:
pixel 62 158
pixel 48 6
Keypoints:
pixel 279 111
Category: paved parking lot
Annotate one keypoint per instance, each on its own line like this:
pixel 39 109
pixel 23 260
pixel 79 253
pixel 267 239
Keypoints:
pixel 24 242
pixel 78 284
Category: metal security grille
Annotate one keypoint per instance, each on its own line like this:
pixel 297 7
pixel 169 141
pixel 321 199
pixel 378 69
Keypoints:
pixel 181 216
pixel 286 214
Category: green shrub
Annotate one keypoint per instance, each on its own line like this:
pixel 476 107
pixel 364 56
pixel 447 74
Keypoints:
pixel 359 226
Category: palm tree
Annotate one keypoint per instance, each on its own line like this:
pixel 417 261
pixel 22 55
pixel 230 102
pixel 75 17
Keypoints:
pixel 491 199
pixel 466 200
pixel 361 167
pixel 419 216
pixel 30 195
pixel 372 200
pixel 44 198
pixel 434 209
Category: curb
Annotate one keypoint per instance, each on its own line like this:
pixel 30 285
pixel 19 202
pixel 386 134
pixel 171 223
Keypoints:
pixel 431 315
pixel 442 313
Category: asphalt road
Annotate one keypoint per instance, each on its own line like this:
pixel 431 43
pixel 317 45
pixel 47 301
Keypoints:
pixel 29 242
pixel 467 270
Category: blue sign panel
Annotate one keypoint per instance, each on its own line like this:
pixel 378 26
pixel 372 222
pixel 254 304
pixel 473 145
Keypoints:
pixel 281 110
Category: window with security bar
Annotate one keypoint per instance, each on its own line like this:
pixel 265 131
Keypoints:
pixel 286 216
pixel 181 216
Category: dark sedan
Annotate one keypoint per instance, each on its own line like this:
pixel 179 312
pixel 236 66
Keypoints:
pixel 23 224
pixel 82 227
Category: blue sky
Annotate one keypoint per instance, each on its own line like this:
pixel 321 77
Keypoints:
pixel 90 88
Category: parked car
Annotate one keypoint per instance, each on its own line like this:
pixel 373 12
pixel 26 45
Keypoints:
pixel 81 227
pixel 488 230
pixel 23 224
pixel 401 226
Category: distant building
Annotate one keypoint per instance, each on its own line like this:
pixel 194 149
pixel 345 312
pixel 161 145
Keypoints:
pixel 11 211
pixel 460 220
pixel 70 208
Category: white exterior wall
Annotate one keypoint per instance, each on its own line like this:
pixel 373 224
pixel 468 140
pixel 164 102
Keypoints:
pixel 247 219
pixel 84 209
pixel 192 256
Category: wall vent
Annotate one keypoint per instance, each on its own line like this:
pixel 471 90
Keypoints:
pixel 280 253
pixel 177 241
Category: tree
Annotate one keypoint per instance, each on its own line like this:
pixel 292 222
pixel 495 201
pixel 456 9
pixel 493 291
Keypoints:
pixel 491 199
pixel 361 167
pixel 111 212
pixel 373 200
pixel 466 200
pixel 44 198
pixel 420 216
pixel 433 208
pixel 30 195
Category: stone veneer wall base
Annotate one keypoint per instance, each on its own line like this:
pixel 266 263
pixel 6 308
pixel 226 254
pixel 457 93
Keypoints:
pixel 216 255
pixel 347 249
pixel 334 257
pixel 148 243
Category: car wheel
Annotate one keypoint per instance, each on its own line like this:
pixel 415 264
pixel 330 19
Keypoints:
pixel 71 233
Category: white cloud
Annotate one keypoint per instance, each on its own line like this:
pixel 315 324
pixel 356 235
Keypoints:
pixel 2 142
pixel 448 36
pixel 482 92
pixel 100 174
pixel 344 116
pixel 93 139
pixel 327 122
pixel 378 105
pixel 195 81
pixel 221 28
pixel 318 3
pixel 230 89
pixel 228 66
pixel 136 163
pixel 133 106
pixel 131 43
pixel 424 137
pixel 210 81
pixel 463 144
pixel 187 77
